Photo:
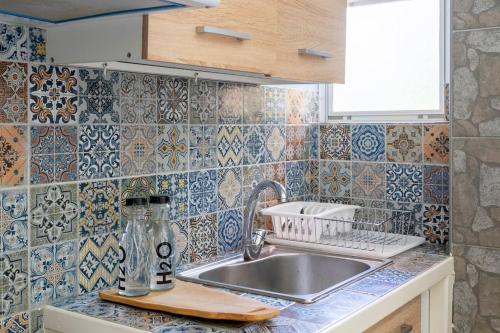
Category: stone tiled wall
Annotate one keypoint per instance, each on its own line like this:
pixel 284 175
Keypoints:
pixel 389 166
pixel 75 143
pixel 476 165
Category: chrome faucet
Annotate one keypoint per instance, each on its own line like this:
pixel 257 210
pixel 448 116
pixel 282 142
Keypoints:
pixel 253 241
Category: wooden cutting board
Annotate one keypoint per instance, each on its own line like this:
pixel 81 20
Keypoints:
pixel 195 300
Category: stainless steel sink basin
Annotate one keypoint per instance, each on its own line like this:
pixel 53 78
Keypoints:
pixel 294 274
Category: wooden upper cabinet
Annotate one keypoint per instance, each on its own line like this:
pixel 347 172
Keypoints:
pixel 172 36
pixel 316 25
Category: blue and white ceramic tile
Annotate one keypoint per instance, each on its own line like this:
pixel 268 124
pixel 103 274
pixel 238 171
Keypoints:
pixel 13 282
pixel 65 139
pixel 436 223
pixel 295 182
pixel 37 44
pixel 172 148
pixel 99 103
pixel 98 262
pixel 314 142
pixel 230 228
pixel 65 167
pixel 254 145
pixel 96 138
pixel 404 182
pixel 13 45
pixel 172 100
pixel 13 220
pixel 202 192
pixel 436 184
pixel 275 143
pixel 53 214
pixel 203 102
pixel 276 302
pixel 138 86
pixel 53 272
pixel 203 147
pixel 335 142
pixel 99 205
pixel 230 145
pixel 275 100
pixel 176 187
pixel 16 324
pixel 100 164
pixel 335 179
pixel 203 237
pixel 381 282
pixel 53 94
pixel 230 185
pixel 368 142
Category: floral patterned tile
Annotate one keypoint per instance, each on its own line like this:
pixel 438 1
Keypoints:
pixel 181 232
pixel 14 42
pixel 381 282
pixel 335 179
pixel 53 213
pixel 404 143
pixel 368 181
pixel 254 145
pixel 276 172
pixel 296 112
pixel 436 144
pixel 13 282
pixel 436 184
pixel 203 102
pixel 138 151
pixel 65 167
pixel 368 142
pixel 404 183
pixel 98 262
pixel 53 272
pixel 42 169
pixel 253 104
pixel 275 143
pixel 176 187
pixel 335 142
pixel 436 223
pixel 138 86
pixel 137 111
pixel 229 103
pixel 65 139
pixel 136 187
pixel 37 44
pixel 229 145
pixel 275 104
pixel 313 142
pixel 13 220
pixel 96 138
pixel 99 97
pixel 203 237
pixel 312 180
pixel 276 302
pixel 13 92
pixel 252 175
pixel 97 165
pixel 172 100
pixel 312 106
pixel 12 155
pixel 172 148
pixel 202 192
pixel 230 229
pixel 99 204
pixel 295 180
pixel 18 323
pixel 53 94
pixel 296 143
pixel 203 147
pixel 230 188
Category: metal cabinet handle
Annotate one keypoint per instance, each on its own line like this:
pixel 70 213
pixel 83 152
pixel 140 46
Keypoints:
pixel 204 29
pixel 406 328
pixel 315 53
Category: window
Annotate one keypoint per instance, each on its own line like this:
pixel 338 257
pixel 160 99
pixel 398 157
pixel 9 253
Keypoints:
pixel 395 61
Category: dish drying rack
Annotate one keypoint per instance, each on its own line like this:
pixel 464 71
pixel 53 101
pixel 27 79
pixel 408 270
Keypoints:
pixel 345 229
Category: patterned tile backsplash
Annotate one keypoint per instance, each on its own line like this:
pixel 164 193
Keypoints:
pixel 76 142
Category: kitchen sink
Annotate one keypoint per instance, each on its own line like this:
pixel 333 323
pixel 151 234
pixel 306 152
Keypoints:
pixel 284 272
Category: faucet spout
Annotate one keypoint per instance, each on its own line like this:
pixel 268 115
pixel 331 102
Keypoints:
pixel 253 241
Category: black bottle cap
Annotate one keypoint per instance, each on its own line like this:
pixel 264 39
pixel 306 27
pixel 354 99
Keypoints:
pixel 159 199
pixel 136 202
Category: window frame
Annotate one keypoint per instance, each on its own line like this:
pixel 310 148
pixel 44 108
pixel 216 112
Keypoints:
pixel 394 116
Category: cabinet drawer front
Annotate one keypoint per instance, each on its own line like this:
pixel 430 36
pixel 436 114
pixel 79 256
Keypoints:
pixel 406 319
pixel 311 40
pixel 237 35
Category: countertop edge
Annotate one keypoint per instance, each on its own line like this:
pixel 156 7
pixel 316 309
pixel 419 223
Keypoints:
pixel 372 313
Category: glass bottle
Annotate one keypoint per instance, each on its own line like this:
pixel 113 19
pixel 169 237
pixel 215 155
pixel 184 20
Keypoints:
pixel 162 237
pixel 134 276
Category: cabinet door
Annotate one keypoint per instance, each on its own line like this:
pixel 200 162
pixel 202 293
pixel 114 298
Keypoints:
pixel 406 319
pixel 173 37
pixel 313 25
